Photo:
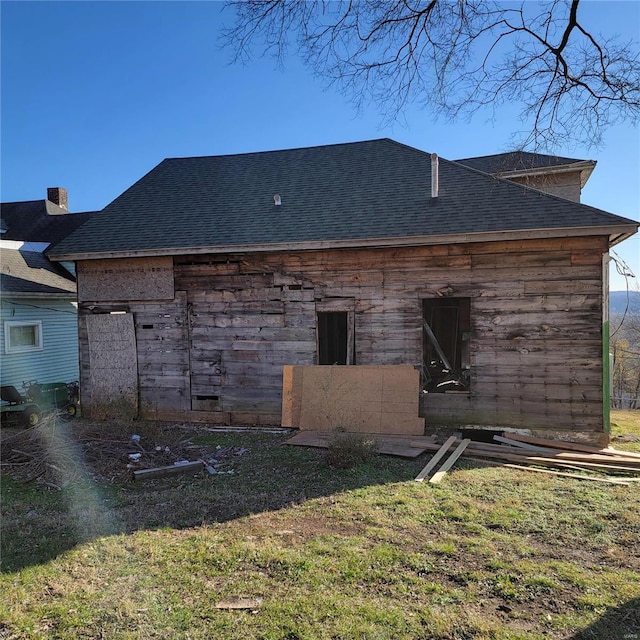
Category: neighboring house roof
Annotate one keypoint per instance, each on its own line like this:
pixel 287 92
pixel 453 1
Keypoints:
pixel 519 163
pixel 374 193
pixel 39 221
pixel 31 274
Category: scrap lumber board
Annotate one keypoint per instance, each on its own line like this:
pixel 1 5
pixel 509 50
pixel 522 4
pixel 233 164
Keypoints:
pixel 522 445
pixel 570 455
pixel 515 454
pixel 624 483
pixel 449 462
pixel 435 459
pixel 550 461
pixel 479 445
pixel 237 602
pixel 392 445
pixel 170 470
pixel 309 439
pixel 572 446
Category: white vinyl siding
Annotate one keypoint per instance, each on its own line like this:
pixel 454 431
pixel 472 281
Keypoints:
pixel 57 358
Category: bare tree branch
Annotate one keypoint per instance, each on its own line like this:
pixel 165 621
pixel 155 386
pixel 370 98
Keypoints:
pixel 455 58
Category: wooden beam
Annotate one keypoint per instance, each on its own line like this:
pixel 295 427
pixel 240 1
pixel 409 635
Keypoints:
pixel 171 470
pixel 551 461
pixel 449 462
pixel 623 483
pixel 565 454
pixel 435 459
pixel 572 446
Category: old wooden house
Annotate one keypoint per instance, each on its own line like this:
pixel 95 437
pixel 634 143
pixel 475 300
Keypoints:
pixel 204 278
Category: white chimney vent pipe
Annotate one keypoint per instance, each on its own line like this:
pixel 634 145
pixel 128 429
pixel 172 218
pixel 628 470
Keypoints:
pixel 277 200
pixel 434 175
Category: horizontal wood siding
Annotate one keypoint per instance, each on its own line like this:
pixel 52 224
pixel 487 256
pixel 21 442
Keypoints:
pixel 162 336
pixel 535 345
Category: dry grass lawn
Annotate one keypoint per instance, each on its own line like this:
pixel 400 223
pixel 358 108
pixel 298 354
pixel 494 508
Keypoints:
pixel 317 553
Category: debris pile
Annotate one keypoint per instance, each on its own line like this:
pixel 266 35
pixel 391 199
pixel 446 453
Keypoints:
pixel 552 457
pixel 56 452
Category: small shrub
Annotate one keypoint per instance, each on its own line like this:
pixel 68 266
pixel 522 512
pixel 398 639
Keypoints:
pixel 347 450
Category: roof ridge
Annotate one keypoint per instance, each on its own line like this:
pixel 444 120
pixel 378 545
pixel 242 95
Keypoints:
pixel 287 149
pixel 520 151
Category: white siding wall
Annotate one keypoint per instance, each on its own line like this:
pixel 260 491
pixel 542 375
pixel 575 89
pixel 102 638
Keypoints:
pixel 58 359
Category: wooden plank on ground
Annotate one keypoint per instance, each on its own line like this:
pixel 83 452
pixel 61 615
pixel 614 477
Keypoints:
pixel 237 602
pixel 449 462
pixel 565 454
pixel 309 439
pixel 521 445
pixel 387 445
pixel 171 470
pixel 624 483
pixel 550 461
pixel 435 459
pixel 572 446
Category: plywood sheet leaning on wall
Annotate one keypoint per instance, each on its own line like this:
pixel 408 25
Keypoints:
pixel 363 398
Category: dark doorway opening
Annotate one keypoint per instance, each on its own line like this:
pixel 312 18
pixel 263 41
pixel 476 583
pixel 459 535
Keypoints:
pixel 333 337
pixel 447 325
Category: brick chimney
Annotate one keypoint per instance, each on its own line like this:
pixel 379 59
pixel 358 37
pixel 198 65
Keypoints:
pixel 58 196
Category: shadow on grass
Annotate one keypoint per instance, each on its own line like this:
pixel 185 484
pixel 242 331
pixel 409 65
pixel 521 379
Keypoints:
pixel 619 623
pixel 40 524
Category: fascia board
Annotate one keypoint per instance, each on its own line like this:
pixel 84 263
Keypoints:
pixel 616 234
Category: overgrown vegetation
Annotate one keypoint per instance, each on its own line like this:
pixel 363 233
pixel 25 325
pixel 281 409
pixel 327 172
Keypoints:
pixel 359 553
pixel 625 354
pixel 347 450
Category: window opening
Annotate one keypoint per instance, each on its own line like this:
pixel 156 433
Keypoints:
pixel 447 326
pixel 335 338
pixel 22 336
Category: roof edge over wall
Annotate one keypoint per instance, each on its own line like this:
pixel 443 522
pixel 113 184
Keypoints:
pixel 64 295
pixel 616 233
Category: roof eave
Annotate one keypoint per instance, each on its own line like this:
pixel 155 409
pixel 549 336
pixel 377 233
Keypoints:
pixel 8 295
pixel 616 234
pixel 585 167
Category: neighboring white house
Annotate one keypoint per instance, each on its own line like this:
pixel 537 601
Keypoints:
pixel 38 309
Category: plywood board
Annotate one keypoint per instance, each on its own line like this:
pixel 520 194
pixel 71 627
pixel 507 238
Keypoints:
pixel 393 445
pixel 381 399
pixel 125 279
pixel 114 365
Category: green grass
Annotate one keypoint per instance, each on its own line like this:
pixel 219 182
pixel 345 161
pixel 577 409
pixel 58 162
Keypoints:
pixel 625 422
pixel 363 553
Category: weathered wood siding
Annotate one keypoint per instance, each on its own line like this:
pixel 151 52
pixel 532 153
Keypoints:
pixel 216 350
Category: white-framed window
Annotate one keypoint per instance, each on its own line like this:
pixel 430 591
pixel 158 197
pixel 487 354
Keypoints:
pixel 20 337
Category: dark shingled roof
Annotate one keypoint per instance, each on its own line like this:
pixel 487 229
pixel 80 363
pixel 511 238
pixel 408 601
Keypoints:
pixel 30 272
pixel 516 161
pixel 39 221
pixel 355 192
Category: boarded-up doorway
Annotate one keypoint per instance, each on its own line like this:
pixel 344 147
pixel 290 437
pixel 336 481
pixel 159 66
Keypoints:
pixel 113 383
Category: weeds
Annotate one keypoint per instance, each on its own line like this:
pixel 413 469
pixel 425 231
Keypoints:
pixel 347 450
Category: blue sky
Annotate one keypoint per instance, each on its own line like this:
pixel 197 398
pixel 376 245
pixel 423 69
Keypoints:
pixel 95 94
